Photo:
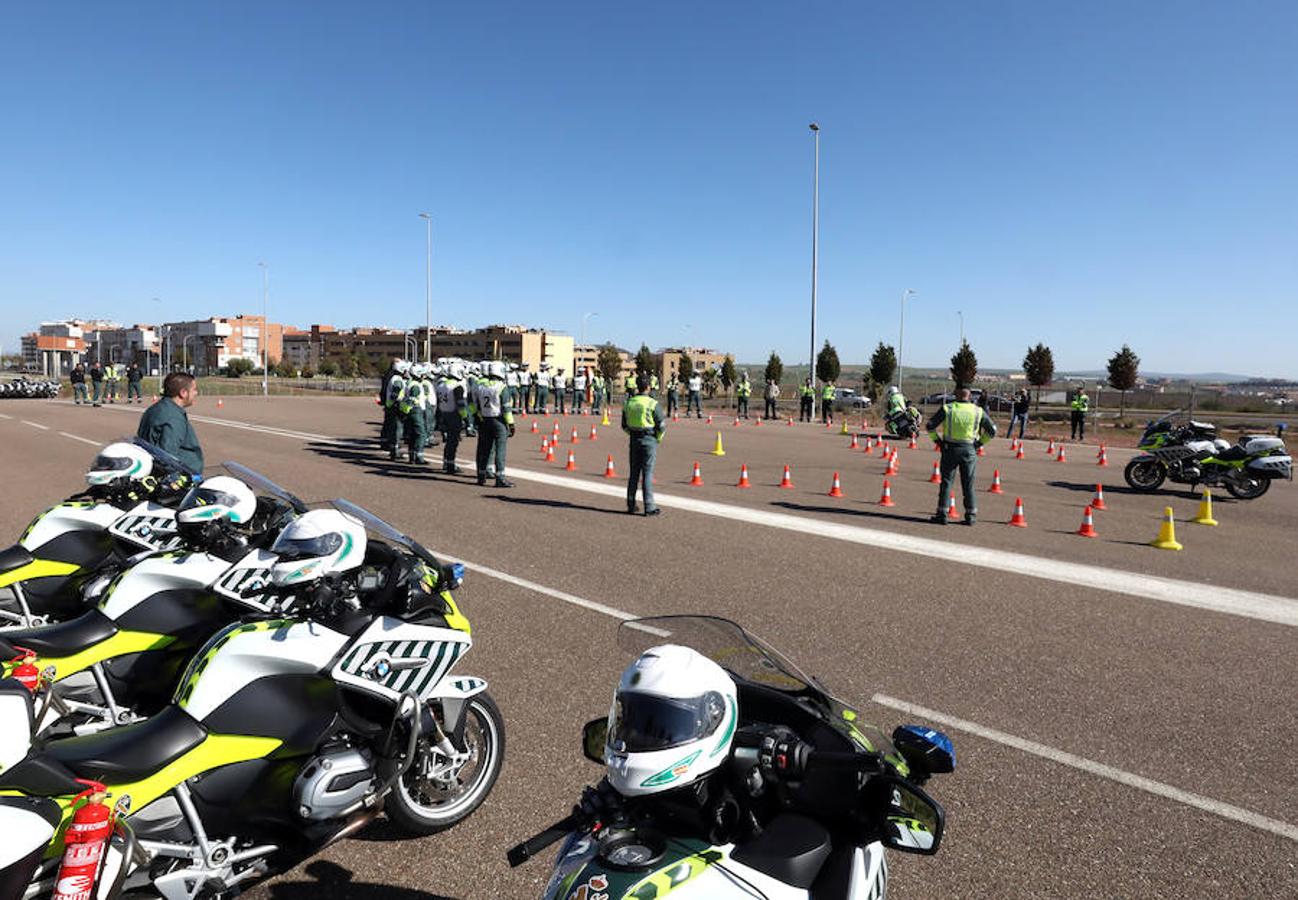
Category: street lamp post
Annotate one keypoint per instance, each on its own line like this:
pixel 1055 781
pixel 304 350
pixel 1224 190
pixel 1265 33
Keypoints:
pixel 265 330
pixel 901 336
pixel 428 291
pixel 815 257
pixel 158 338
pixel 184 349
pixel 584 319
pixel 960 313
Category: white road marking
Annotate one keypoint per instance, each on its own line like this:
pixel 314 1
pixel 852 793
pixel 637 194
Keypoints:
pixel 36 425
pixel 4 416
pixel 1157 788
pixel 1248 604
pixel 81 439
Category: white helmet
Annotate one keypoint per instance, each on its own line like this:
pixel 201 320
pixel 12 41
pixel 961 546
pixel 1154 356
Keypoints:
pixel 673 720
pixel 221 497
pixel 457 371
pixel 402 367
pixel 119 460
pixel 317 543
pixel 496 369
pixel 893 389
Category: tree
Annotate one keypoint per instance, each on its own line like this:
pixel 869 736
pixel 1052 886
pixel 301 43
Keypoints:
pixel 710 382
pixel 883 365
pixel 609 364
pixel 1039 366
pixel 238 367
pixel 687 368
pixel 964 366
pixel 307 371
pixel 644 361
pixel 1124 367
pixel 774 368
pixel 727 375
pixel 362 365
pixel 329 367
pixel 827 366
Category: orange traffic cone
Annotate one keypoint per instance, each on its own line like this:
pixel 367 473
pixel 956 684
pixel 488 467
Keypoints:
pixel 1018 520
pixel 534 428
pixel 1100 452
pixel 1061 457
pixel 1050 448
pixel 572 462
pixel 996 483
pixel 912 445
pixel 758 422
pixel 736 421
pixel 555 432
pixel 1098 502
pixel 787 480
pixel 575 439
pixel 219 403
pixel 854 445
pixel 545 445
pixel 936 477
pixel 1088 525
pixel 594 433
pixel 743 476
pixel 980 450
pixel 1104 458
pixel 869 445
pixel 609 472
pixel 709 420
pixel 549 453
pixel 697 480
pixel 950 509
pixel 1018 454
pixel 892 465
pixel 675 417
pixel 835 489
pixel 790 422
pixel 886 499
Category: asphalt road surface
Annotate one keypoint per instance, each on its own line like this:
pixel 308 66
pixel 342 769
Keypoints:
pixel 1124 717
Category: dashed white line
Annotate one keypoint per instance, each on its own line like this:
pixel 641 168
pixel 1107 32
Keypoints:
pixel 76 437
pixel 4 416
pixel 36 425
pixel 1157 788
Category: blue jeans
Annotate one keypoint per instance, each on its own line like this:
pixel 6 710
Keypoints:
pixel 1022 419
pixel 696 402
pixel 644 450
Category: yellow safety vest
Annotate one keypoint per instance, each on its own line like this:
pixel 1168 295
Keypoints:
pixel 961 422
pixel 640 412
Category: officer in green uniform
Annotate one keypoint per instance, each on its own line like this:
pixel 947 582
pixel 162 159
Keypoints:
pixel 413 418
pixel 806 400
pixel 628 385
pixel 452 412
pixel 827 403
pixel 112 374
pixel 642 419
pixel 963 424
pixel 596 393
pixel 1081 405
pixel 491 407
pixel 393 386
pixel 543 379
pixel 743 390
pixel 165 424
pixel 429 382
pixel 653 386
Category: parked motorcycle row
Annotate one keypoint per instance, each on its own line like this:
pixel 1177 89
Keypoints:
pixel 207 681
pixel 1190 453
pixel 23 387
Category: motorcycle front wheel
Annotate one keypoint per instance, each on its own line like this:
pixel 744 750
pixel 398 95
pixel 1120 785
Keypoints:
pixel 430 798
pixel 1247 487
pixel 1144 474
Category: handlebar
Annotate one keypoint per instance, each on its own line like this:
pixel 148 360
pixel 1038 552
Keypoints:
pixel 521 853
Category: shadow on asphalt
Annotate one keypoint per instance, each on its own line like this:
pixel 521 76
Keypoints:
pixel 845 511
pixel 1089 487
pixel 332 880
pixel 553 504
pixel 376 462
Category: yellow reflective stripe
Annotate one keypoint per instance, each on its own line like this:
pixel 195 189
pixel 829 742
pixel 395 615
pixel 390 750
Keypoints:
pixel 215 751
pixel 120 644
pixel 37 568
pixel 454 618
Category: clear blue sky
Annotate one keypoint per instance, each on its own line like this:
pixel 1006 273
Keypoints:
pixel 1082 174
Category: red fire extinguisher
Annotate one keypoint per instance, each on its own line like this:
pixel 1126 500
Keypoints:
pixel 85 839
pixel 25 670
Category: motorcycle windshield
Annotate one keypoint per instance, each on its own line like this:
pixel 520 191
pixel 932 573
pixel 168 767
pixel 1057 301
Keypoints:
pixel 260 484
pixel 748 659
pixel 160 457
pixel 384 530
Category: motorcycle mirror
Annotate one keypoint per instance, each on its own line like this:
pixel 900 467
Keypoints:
pixel 925 750
pixel 594 735
pixel 910 820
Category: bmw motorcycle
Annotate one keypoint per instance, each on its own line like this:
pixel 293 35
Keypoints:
pixel 903 422
pixel 119 662
pixel 1191 453
pixel 79 545
pixel 805 806
pixel 286 734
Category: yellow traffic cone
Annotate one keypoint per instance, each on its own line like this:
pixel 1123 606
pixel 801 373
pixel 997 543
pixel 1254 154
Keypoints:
pixel 844 429
pixel 604 421
pixel 1166 539
pixel 1204 516
pixel 718 450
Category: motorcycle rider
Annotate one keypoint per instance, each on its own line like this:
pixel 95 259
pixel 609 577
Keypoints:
pixel 490 407
pixel 452 412
pixel 413 401
pixel 394 383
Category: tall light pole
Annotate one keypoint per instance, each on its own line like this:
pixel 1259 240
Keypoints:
pixel 960 313
pixel 265 330
pixel 428 292
pixel 584 319
pixel 815 257
pixel 901 335
pixel 158 338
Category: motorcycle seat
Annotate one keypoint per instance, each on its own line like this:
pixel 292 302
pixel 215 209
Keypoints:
pixel 60 639
pixel 14 557
pixel 792 848
pixel 1233 454
pixel 117 756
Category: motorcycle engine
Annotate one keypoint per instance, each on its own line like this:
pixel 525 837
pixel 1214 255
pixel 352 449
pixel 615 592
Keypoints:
pixel 333 782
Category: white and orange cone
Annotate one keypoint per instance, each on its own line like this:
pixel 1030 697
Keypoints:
pixel 1098 502
pixel 1018 520
pixel 743 477
pixel 1050 448
pixel 549 452
pixel 835 489
pixel 572 462
pixel 1104 457
pixel 1088 525
pixel 535 430
pixel 594 433
pixel 1019 454
pixel 936 477
pixel 1061 457
pixel 787 481
pixel 609 471
pixel 996 483
pixel 697 480
pixel 886 498
pixel 575 439
pixel 950 510
pixel 912 445
pixel 854 445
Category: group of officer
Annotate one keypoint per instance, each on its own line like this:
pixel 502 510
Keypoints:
pixel 106 383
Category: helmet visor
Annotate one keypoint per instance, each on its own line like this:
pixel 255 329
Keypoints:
pixel 104 463
pixel 289 549
pixel 200 497
pixel 646 722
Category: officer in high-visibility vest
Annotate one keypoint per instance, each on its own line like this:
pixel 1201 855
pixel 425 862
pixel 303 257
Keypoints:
pixel 827 402
pixel 1081 405
pixel 112 374
pixel 559 384
pixel 452 413
pixel 428 382
pixel 963 425
pixel 743 390
pixel 628 385
pixel 642 420
pixel 596 392
pixel 490 406
pixel 413 421
pixel 806 400
pixel 673 395
pixel 579 381
pixel 695 398
pixel 394 387
pixel 653 385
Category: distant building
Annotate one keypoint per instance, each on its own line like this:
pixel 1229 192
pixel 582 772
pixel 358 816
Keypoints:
pixel 304 349
pixel 587 355
pixel 668 360
pixel 512 343
pixel 206 346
